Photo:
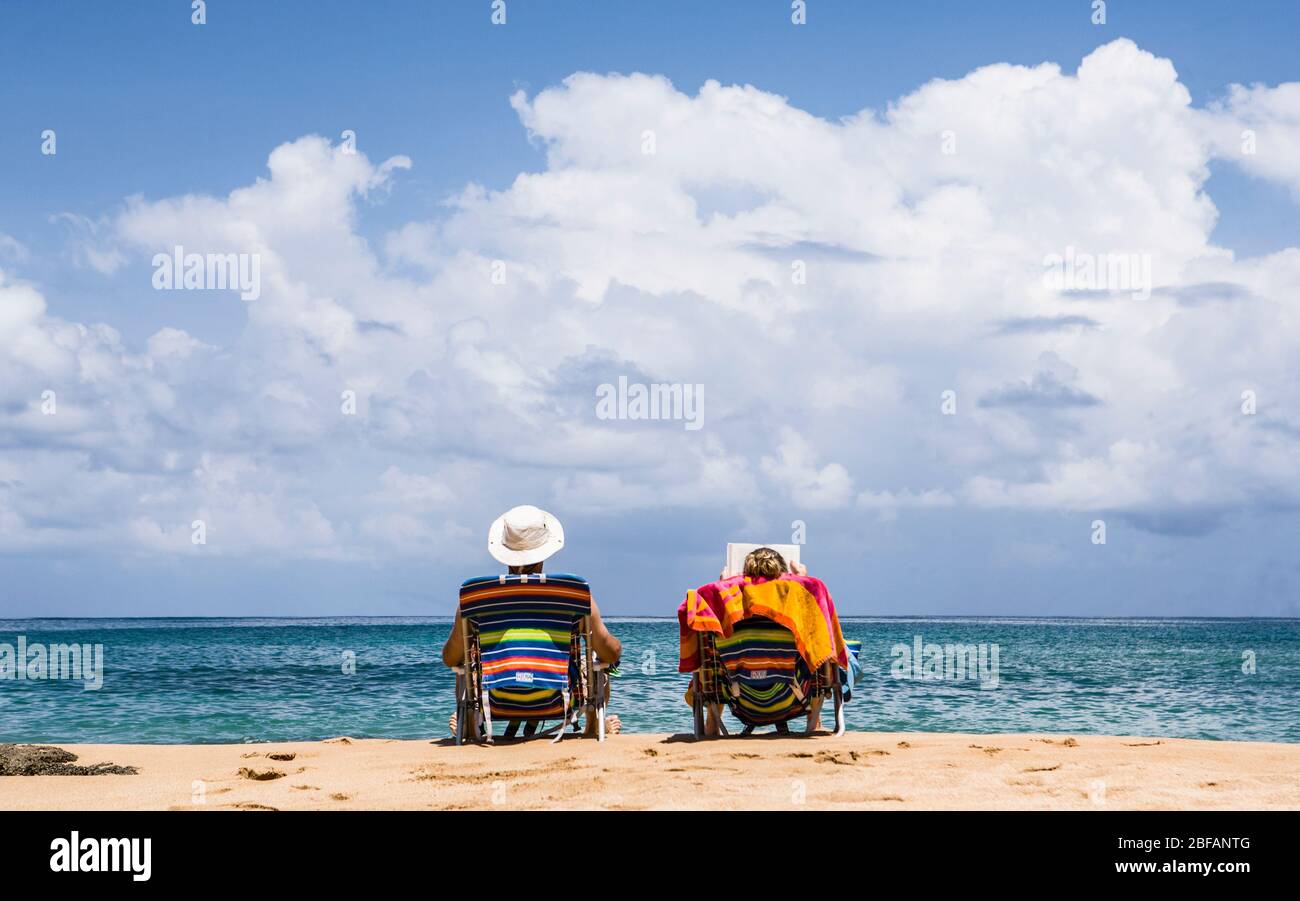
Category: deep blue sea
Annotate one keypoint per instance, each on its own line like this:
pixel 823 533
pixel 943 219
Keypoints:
pixel 239 680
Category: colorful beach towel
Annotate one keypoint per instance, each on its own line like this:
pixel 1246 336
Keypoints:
pixel 800 603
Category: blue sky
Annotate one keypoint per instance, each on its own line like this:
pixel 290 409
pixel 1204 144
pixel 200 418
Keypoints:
pixel 148 106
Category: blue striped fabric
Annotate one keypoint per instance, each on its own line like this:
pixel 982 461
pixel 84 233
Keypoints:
pixel 525 629
pixel 762 659
pixel 849 677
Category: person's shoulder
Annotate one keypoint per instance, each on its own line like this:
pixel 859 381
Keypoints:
pixel 565 577
pixel 478 580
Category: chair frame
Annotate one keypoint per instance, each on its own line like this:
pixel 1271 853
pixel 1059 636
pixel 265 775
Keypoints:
pixel 710 685
pixel 474 708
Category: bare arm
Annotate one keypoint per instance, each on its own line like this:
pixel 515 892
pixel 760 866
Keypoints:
pixel 605 644
pixel 453 652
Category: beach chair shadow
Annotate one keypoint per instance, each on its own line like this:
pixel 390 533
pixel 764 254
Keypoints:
pixel 759 675
pixel 528 657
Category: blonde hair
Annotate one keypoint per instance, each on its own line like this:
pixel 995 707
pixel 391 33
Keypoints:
pixel 764 563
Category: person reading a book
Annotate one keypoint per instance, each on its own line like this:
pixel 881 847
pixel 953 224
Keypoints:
pixel 764 563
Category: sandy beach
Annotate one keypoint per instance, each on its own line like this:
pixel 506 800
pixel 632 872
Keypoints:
pixel 636 772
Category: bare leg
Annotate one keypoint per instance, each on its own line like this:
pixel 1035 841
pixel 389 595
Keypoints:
pixel 815 715
pixel 712 719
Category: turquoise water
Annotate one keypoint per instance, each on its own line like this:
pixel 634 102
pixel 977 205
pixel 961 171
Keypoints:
pixel 234 680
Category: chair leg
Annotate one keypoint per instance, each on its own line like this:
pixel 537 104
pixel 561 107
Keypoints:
pixel 462 711
pixel 564 723
pixel 697 707
pixel 601 682
pixel 839 709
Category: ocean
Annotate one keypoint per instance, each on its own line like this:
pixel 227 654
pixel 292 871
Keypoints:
pixel 259 680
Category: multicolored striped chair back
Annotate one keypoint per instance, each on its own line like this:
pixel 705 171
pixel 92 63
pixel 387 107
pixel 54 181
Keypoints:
pixel 763 664
pixel 528 628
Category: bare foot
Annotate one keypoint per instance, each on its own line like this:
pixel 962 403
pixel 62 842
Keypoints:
pixel 613 726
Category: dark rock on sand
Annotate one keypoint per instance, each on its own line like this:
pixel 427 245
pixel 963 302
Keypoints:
pixel 45 760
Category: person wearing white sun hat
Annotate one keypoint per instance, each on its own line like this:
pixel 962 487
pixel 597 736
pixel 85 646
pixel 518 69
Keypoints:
pixel 525 536
pixel 522 538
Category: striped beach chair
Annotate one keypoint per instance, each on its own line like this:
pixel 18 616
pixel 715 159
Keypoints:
pixel 760 675
pixel 528 656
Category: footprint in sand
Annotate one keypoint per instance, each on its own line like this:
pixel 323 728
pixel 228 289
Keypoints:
pixel 1041 769
pixel 835 758
pixel 339 796
pixel 260 775
pixel 285 756
pixel 994 751
pixel 253 805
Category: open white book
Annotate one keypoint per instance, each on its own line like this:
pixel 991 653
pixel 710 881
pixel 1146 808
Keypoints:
pixel 738 551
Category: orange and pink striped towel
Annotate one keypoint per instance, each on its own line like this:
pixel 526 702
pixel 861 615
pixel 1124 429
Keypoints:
pixel 800 603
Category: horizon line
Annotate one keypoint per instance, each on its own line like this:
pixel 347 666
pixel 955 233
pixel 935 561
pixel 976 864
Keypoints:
pixel 618 616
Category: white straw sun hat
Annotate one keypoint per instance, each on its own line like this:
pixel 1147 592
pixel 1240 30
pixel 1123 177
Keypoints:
pixel 524 535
